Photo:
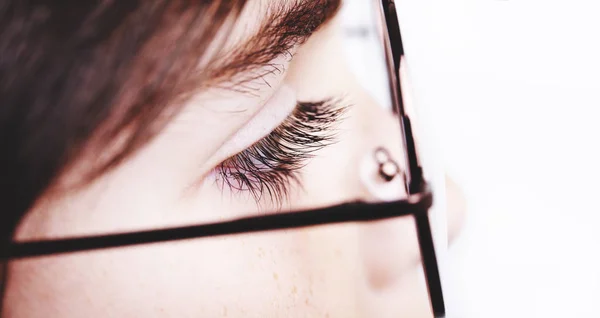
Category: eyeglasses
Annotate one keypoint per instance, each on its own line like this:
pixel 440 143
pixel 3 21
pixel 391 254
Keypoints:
pixel 417 204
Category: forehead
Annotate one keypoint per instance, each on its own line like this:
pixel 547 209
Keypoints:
pixel 258 13
pixel 255 14
pixel 263 30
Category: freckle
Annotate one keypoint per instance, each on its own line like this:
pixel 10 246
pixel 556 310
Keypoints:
pixel 275 276
pixel 294 290
pixel 306 301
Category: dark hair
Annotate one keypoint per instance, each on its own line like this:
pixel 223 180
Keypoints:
pixel 75 75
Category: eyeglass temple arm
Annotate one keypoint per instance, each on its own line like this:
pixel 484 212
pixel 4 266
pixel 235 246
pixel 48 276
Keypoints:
pixel 343 213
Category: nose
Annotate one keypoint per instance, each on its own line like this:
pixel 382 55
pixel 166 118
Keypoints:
pixel 456 207
pixel 390 249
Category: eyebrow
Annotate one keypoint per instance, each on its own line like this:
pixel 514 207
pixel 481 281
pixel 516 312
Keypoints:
pixel 285 27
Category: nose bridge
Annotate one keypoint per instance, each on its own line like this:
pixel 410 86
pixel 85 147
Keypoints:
pixel 388 248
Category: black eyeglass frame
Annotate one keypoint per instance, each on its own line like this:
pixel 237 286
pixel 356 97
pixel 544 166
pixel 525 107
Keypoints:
pixel 417 204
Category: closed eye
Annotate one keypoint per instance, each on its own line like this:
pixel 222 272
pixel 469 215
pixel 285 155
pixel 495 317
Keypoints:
pixel 272 165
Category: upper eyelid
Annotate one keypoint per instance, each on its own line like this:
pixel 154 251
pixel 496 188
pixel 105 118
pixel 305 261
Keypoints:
pixel 243 67
pixel 255 77
pixel 314 121
pixel 240 66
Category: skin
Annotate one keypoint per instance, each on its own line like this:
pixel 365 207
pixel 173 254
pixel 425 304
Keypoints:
pixel 334 271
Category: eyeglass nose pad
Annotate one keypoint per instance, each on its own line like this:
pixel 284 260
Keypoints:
pixel 381 176
pixel 388 168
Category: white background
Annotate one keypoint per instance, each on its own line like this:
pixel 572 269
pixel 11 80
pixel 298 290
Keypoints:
pixel 510 92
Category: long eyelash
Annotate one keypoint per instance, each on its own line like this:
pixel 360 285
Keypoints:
pixel 272 164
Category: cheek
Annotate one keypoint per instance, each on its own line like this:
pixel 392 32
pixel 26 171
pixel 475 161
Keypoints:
pixel 389 251
pixel 267 275
pixel 140 282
